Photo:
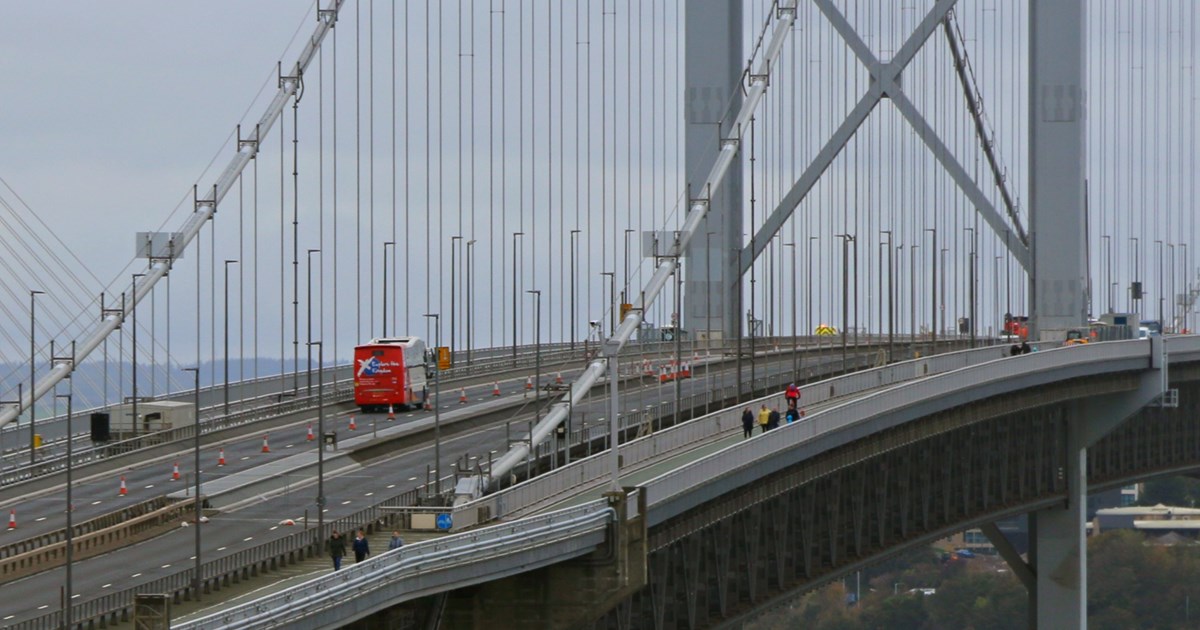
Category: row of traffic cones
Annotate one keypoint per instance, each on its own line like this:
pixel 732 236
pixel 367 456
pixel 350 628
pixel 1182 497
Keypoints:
pixel 674 371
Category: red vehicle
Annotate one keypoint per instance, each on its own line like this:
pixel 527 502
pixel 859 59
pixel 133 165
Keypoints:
pixel 389 372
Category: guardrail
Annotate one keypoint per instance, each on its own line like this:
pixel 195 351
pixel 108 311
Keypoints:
pixel 94 543
pixel 418 569
pixel 86 527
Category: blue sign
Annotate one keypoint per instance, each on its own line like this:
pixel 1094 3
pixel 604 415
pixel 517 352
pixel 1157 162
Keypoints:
pixel 444 521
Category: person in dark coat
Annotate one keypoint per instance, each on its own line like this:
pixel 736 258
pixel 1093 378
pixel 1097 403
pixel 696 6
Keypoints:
pixel 1025 347
pixel 792 415
pixel 395 542
pixel 361 548
pixel 337 549
pixel 773 419
pixel 747 423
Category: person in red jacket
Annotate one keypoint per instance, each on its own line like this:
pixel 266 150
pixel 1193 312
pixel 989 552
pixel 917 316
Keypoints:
pixel 792 393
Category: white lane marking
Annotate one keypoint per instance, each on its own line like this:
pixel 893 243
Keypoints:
pixel 368 494
pixel 248 539
pixel 135 575
pixel 75 595
pixel 289 446
pixel 149 486
pixel 391 485
pixel 222 548
pixel 107 585
pixel 9 617
pixel 166 566
pixel 39 520
pixel 411 479
pixel 245 458
pixel 346 502
pixel 192 558
pixel 43 606
pixel 97 502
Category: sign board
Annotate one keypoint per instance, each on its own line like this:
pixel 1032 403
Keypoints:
pixel 444 521
pixel 443 357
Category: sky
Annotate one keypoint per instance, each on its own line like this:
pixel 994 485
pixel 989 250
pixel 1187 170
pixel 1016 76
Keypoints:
pixel 111 112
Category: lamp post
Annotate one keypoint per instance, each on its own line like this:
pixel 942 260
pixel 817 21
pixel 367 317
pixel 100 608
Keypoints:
pixel 308 317
pixel 70 542
pixel 1107 271
pixel 1171 284
pixel 437 403
pixel 809 284
pixel 32 374
pixel 891 301
pixel 470 284
pixel 1137 277
pixel 227 263
pixel 708 298
pixel 612 286
pixel 385 283
pixel 933 288
pixel 133 351
pixel 321 443
pixel 453 303
pixel 537 344
pixel 795 338
pixel 625 288
pixel 1161 292
pixel 574 314
pixel 516 235
pixel 846 240
pixel 912 291
pixel 199 504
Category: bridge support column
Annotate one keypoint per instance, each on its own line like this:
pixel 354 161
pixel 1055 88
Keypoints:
pixel 566 595
pixel 714 63
pixel 1057 165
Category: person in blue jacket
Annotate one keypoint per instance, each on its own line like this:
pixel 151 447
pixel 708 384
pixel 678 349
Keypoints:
pixel 361 548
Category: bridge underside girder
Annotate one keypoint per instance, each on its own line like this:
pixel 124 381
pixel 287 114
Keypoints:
pixel 853 507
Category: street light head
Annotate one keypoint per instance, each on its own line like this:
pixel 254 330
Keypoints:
pixel 516 234
pixel 433 315
pixel 235 262
pixel 534 291
pixel 36 292
pixel 314 343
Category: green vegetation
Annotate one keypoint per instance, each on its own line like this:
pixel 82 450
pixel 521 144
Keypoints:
pixel 1131 585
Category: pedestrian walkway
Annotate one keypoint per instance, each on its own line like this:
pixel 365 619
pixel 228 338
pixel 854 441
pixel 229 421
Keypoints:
pixel 268 582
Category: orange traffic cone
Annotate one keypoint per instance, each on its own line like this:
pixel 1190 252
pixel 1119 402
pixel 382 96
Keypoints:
pixel 221 457
pixel 123 491
pixel 175 473
pixel 353 426
pixel 558 378
pixel 428 404
pixel 528 382
pixel 496 388
pixel 12 519
pixel 310 437
pixel 391 412
pixel 462 396
pixel 266 447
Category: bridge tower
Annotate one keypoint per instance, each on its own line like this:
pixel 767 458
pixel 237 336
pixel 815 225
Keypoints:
pixel 1057 166
pixel 714 63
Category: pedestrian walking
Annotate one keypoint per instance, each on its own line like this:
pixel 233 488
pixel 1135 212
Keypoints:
pixel 361 548
pixel 773 419
pixel 747 423
pixel 337 549
pixel 764 418
pixel 395 542
pixel 792 415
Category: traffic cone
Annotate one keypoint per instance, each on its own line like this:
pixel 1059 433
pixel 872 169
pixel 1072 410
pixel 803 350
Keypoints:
pixel 353 426
pixel 123 491
pixel 528 382
pixel 12 519
pixel 266 447
pixel 310 437
pixel 391 413
pixel 558 378
pixel 496 388
pixel 462 396
pixel 175 472
pixel 428 404
pixel 221 457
